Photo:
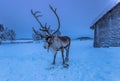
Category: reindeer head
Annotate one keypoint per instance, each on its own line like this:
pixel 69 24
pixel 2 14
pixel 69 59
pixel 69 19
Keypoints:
pixel 48 42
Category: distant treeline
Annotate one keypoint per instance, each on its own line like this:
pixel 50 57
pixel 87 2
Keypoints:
pixel 84 38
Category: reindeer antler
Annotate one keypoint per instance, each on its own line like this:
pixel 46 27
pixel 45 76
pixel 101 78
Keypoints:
pixel 58 20
pixel 36 14
pixel 44 28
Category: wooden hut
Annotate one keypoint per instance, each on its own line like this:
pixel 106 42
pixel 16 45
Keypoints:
pixel 107 28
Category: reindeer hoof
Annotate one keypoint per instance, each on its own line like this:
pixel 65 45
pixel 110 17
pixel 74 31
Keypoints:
pixel 65 65
pixel 66 59
pixel 53 63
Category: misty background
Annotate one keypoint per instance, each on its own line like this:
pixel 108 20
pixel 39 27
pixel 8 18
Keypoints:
pixel 76 16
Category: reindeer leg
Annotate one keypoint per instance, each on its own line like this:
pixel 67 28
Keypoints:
pixel 67 54
pixel 54 58
pixel 63 56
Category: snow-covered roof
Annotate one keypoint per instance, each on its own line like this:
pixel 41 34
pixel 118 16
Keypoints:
pixel 103 14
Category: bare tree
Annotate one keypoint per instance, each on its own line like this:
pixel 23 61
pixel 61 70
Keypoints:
pixel 6 34
pixel 53 41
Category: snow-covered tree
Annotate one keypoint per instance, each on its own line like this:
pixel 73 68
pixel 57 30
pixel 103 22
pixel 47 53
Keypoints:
pixel 6 34
pixel 9 34
pixel 1 28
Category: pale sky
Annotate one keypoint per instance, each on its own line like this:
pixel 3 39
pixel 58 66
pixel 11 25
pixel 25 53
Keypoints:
pixel 76 16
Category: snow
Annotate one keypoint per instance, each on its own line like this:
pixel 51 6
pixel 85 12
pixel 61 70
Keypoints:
pixel 31 62
pixel 16 41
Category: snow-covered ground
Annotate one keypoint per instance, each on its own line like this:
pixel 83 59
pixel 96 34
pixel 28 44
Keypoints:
pixel 16 41
pixel 30 62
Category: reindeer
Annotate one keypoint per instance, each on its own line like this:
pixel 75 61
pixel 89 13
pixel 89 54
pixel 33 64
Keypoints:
pixel 53 42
